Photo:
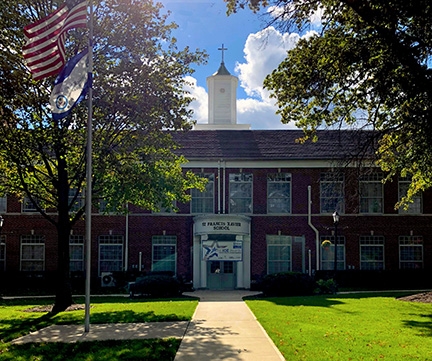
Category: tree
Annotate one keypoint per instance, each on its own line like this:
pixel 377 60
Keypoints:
pixel 370 67
pixel 138 100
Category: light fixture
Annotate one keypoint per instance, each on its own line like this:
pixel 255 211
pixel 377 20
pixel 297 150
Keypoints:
pixel 335 217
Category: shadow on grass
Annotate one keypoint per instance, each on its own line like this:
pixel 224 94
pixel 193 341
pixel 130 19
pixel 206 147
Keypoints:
pixel 324 300
pixel 11 328
pixel 121 317
pixel 130 350
pixel 14 328
pixel 424 327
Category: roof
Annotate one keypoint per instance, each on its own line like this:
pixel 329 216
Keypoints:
pixel 222 70
pixel 272 144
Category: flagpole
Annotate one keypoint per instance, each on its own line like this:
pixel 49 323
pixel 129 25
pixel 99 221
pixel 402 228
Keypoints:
pixel 89 173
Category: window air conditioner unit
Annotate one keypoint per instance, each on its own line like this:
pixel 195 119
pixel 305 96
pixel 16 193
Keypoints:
pixel 107 279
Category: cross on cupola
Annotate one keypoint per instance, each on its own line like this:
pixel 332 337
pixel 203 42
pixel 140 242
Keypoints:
pixel 223 50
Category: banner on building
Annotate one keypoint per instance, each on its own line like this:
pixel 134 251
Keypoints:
pixel 222 250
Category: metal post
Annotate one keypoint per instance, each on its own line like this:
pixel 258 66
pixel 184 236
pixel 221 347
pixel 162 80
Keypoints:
pixel 89 176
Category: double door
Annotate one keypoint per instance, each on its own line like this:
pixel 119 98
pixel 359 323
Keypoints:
pixel 221 275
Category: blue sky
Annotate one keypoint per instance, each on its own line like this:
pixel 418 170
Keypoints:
pixel 252 54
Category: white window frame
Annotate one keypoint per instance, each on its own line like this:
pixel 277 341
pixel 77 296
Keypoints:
pixel 241 183
pixel 279 253
pixel 203 202
pixel 416 207
pixel 332 192
pixel 115 256
pixel 414 243
pixel 159 264
pixel 371 193
pixel 278 197
pixel 327 254
pixel 76 242
pixel 372 242
pixel 33 241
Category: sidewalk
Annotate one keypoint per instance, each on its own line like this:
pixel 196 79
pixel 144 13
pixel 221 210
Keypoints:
pixel 222 328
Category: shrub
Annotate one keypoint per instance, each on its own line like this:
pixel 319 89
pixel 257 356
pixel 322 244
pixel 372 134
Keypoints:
pixel 287 284
pixel 325 287
pixel 155 286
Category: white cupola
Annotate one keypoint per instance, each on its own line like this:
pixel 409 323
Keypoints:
pixel 222 100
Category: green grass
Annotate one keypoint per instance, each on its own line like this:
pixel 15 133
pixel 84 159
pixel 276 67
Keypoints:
pixel 15 322
pixel 130 350
pixel 347 327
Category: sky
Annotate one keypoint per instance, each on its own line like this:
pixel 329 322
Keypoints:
pixel 253 51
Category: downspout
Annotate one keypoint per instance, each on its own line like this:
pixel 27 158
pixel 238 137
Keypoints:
pixel 127 238
pixel 224 187
pixel 313 227
pixel 219 187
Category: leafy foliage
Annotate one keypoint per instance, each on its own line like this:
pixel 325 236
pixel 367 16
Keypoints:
pixel 138 99
pixel 370 66
pixel 287 284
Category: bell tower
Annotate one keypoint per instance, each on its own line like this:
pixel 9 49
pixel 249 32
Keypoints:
pixel 222 100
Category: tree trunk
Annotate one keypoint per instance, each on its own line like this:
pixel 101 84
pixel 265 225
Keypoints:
pixel 63 287
pixel 63 284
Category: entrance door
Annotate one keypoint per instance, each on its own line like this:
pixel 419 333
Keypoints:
pixel 221 275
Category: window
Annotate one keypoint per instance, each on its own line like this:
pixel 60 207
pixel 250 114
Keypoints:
pixel 3 204
pixel 2 253
pixel 332 193
pixel 410 252
pixel 28 206
pixel 279 193
pixel 203 202
pixel 110 253
pixel 371 193
pixel 78 202
pixel 416 206
pixel 371 253
pixel 76 252
pixel 327 253
pixel 278 253
pixel 32 253
pixel 164 253
pixel 240 193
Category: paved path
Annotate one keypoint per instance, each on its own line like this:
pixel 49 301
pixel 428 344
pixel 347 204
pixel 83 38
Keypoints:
pixel 222 328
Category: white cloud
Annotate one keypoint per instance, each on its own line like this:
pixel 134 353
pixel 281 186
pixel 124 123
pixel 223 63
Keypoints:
pixel 200 104
pixel 263 52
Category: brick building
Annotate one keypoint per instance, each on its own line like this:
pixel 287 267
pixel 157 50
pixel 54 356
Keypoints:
pixel 267 208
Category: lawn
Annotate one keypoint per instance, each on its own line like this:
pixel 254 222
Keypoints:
pixel 16 320
pixel 347 327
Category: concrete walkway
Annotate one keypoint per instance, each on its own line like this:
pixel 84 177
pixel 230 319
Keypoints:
pixel 222 328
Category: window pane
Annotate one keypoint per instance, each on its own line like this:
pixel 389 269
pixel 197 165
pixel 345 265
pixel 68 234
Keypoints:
pixel 371 193
pixel 203 202
pixel 279 193
pixel 240 193
pixel 278 254
pixel 371 253
pixel 416 206
pixel 110 253
pixel 164 255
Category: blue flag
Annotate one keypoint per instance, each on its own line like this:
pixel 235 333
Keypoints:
pixel 70 87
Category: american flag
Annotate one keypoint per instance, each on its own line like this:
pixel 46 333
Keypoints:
pixel 44 52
